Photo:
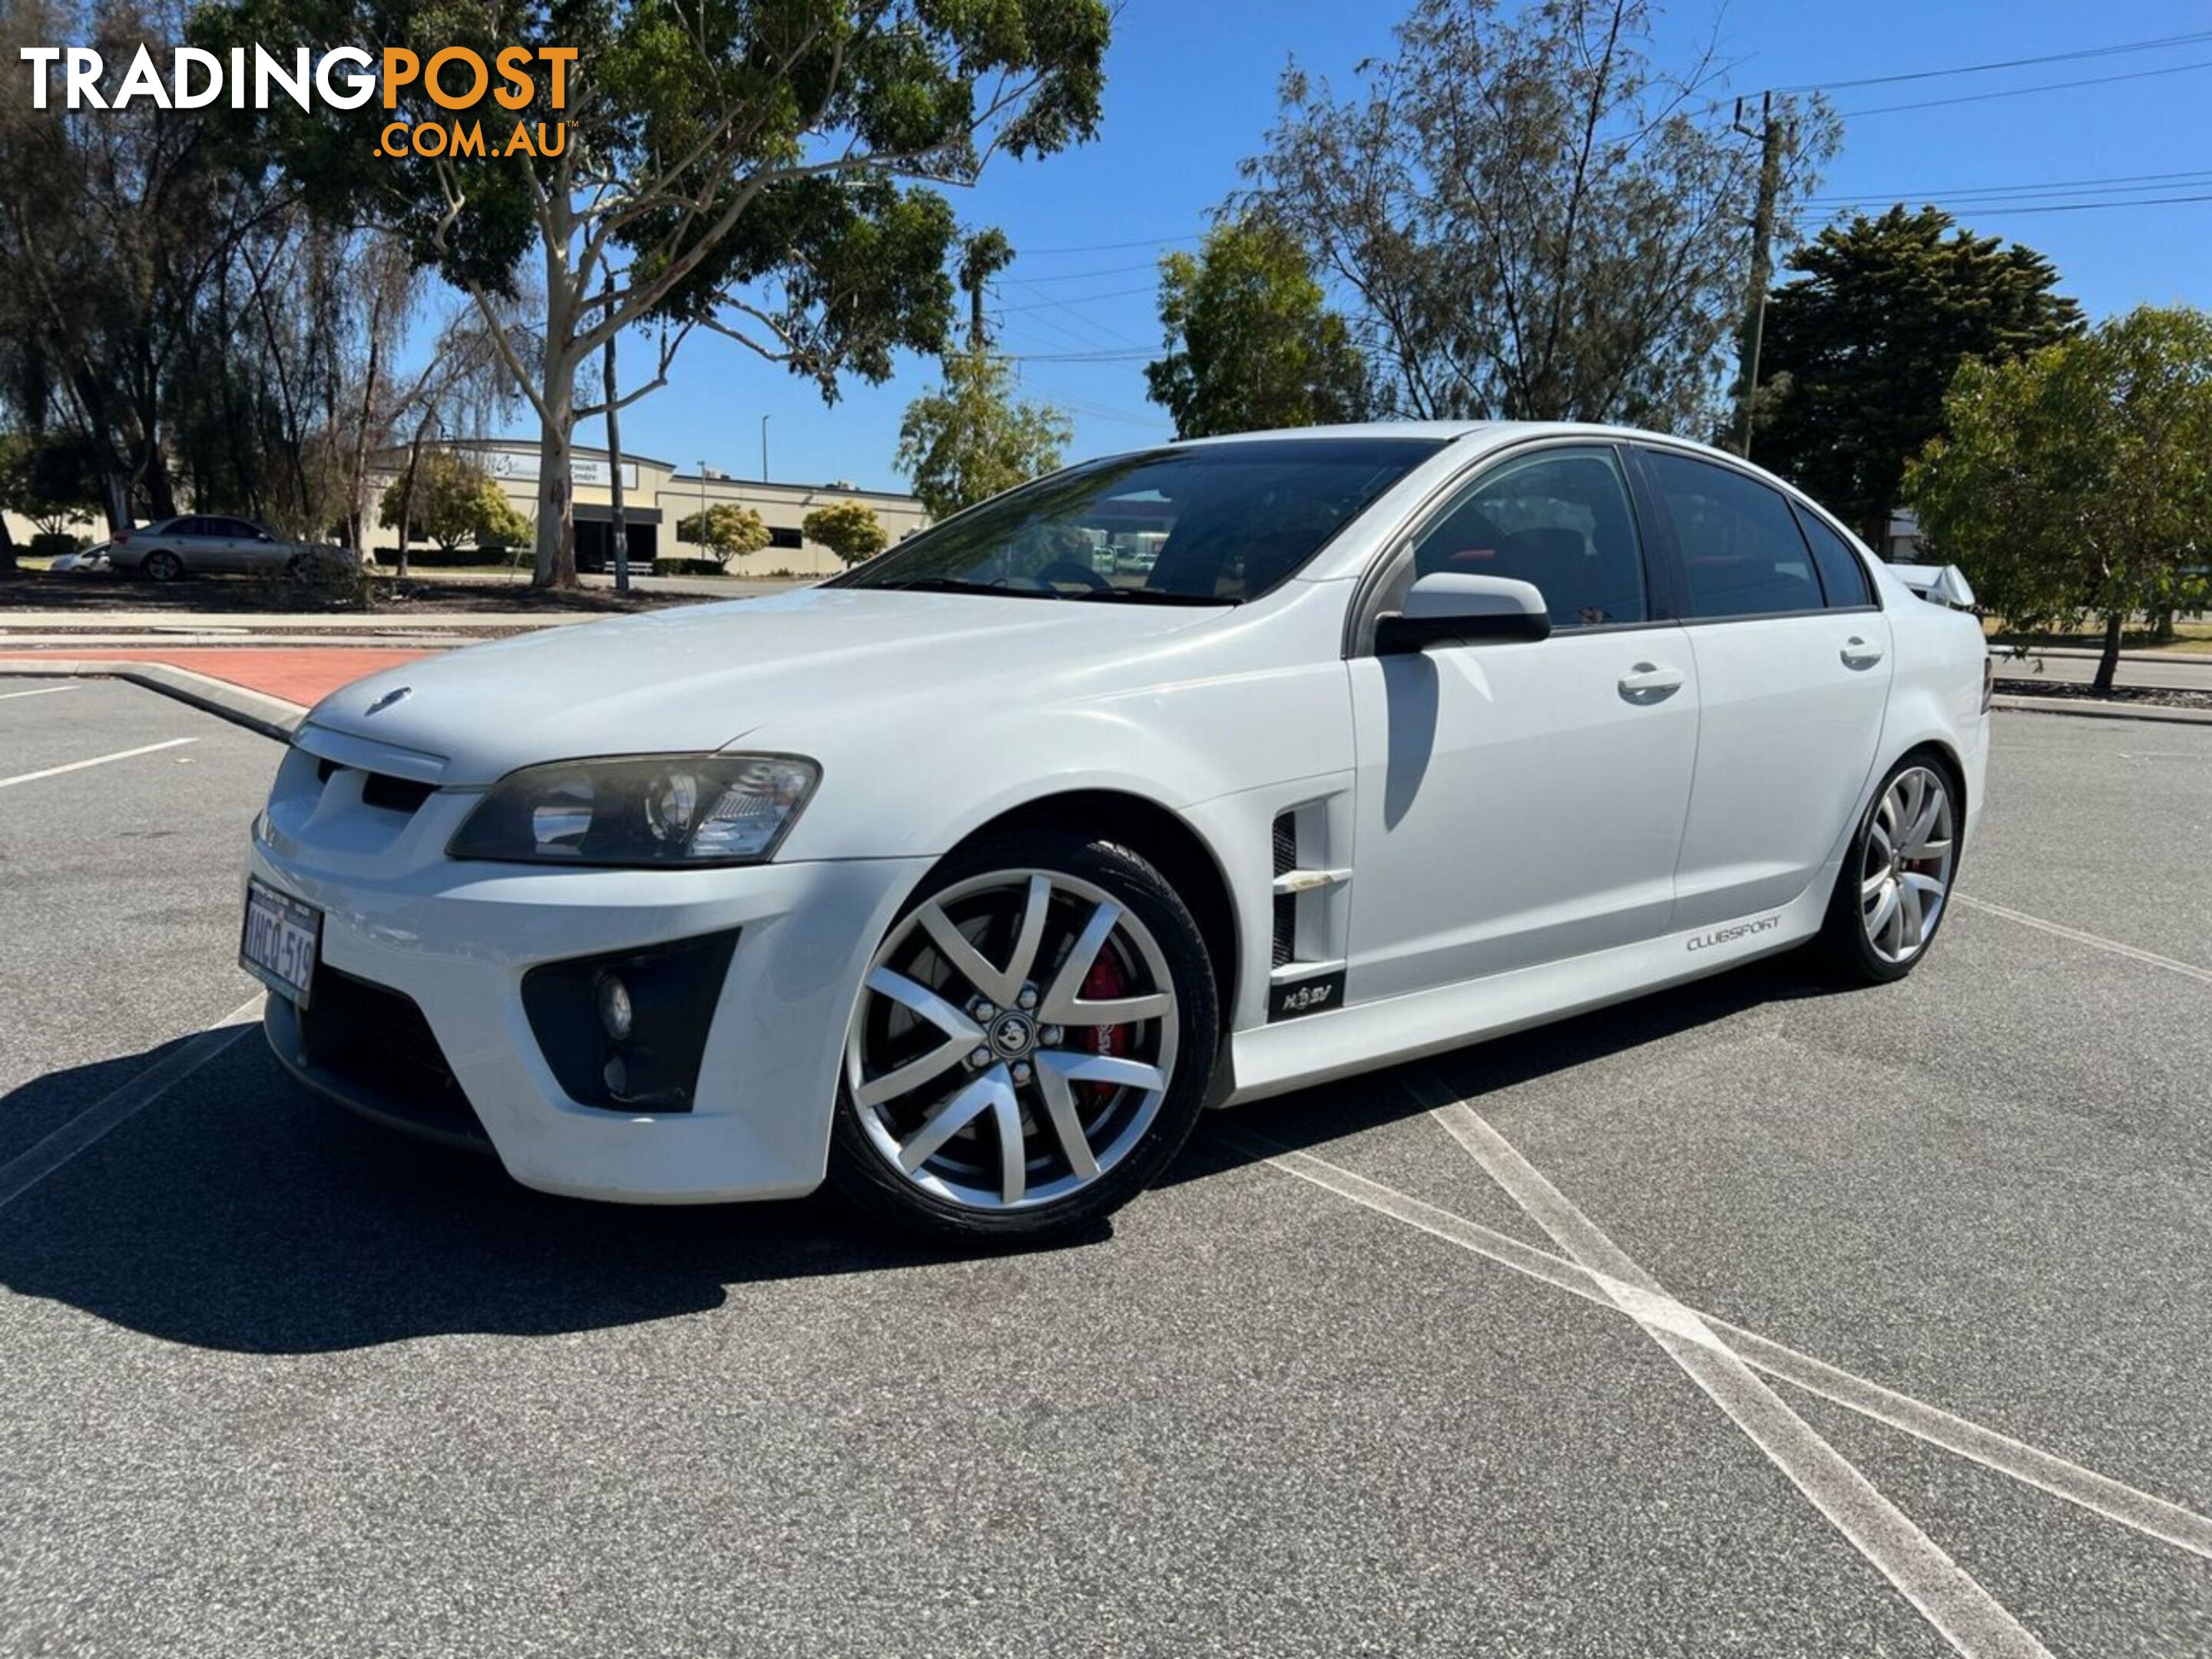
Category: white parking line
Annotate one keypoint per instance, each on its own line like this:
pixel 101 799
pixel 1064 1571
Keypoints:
pixel 40 691
pixel 2134 953
pixel 1947 1596
pixel 19 1174
pixel 97 760
pixel 2155 1517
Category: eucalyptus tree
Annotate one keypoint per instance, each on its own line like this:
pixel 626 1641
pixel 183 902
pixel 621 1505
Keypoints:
pixel 765 171
pixel 1528 216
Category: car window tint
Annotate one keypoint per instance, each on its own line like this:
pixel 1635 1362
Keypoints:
pixel 1739 540
pixel 1214 523
pixel 233 527
pixel 1841 573
pixel 1561 520
pixel 188 526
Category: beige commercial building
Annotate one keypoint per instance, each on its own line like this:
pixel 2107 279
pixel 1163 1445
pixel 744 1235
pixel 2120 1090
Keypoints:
pixel 656 498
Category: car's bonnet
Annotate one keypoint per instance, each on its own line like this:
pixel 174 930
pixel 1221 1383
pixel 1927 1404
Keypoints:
pixel 700 678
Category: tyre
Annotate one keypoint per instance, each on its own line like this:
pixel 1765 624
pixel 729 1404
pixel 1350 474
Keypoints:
pixel 1894 889
pixel 1031 1045
pixel 162 567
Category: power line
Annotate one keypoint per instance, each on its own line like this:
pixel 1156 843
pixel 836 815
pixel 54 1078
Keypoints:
pixel 1085 276
pixel 2157 45
pixel 2060 207
pixel 1081 356
pixel 1113 247
pixel 2127 180
pixel 1078 299
pixel 2022 92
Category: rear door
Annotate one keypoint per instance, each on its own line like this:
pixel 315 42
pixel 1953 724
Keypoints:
pixel 1519 803
pixel 1793 680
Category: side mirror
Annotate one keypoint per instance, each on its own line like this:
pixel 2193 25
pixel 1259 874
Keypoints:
pixel 1450 609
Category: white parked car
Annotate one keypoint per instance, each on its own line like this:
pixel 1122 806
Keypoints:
pixel 966 879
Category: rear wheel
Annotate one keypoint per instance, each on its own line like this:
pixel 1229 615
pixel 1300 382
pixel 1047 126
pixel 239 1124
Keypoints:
pixel 1032 1043
pixel 1895 886
pixel 161 566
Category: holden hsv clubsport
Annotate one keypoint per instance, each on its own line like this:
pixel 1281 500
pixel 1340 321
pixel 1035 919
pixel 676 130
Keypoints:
pixel 1182 778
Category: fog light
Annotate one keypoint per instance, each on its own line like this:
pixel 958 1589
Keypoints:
pixel 615 1014
pixel 616 1077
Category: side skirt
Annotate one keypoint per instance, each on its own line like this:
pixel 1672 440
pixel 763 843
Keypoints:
pixel 1273 1060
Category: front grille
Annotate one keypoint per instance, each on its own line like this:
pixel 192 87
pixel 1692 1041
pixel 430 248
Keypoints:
pixel 381 789
pixel 394 794
pixel 371 1047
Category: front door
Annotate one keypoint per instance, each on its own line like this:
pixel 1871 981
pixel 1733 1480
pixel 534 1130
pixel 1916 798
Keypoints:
pixel 1521 803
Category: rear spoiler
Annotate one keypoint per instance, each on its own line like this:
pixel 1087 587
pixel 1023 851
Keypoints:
pixel 1938 583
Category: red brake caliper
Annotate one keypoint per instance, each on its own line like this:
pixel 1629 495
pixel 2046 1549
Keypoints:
pixel 1106 981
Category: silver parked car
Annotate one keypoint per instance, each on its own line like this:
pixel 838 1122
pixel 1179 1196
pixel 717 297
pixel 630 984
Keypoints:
pixel 201 542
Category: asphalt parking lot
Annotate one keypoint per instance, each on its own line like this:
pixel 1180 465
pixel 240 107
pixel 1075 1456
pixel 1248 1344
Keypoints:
pixel 1748 1319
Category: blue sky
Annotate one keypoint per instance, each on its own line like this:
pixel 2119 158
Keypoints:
pixel 1192 86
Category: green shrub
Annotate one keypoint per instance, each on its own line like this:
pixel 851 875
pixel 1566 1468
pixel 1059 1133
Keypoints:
pixel 665 565
pixel 52 544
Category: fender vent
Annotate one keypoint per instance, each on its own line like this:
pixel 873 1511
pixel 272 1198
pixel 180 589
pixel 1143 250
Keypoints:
pixel 1286 904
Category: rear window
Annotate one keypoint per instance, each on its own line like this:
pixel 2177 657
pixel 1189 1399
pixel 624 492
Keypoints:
pixel 1841 573
pixel 1213 524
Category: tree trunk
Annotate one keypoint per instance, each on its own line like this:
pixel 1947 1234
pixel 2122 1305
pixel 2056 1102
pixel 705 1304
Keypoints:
pixel 556 563
pixel 557 522
pixel 407 492
pixel 357 480
pixel 2162 629
pixel 2108 665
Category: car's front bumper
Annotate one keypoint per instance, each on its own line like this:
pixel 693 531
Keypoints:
pixel 456 938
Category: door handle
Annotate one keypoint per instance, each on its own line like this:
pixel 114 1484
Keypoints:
pixel 1858 654
pixel 1650 680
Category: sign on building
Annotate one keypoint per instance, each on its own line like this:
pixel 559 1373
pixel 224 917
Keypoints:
pixel 520 466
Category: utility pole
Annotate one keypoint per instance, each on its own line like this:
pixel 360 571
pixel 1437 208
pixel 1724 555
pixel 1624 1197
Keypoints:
pixel 617 525
pixel 1773 134
pixel 763 449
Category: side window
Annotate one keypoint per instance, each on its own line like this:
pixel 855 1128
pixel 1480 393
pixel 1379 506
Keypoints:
pixel 1841 573
pixel 188 526
pixel 1739 540
pixel 1559 519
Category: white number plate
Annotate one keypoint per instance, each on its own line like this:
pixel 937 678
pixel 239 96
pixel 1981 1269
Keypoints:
pixel 282 939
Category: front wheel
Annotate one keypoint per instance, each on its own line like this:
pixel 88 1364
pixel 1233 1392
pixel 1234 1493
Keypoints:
pixel 1895 885
pixel 1032 1043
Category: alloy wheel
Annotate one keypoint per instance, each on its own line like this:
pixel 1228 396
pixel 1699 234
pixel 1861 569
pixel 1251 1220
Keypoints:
pixel 1905 871
pixel 1015 1038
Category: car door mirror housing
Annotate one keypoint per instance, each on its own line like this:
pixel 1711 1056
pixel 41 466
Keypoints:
pixel 1448 608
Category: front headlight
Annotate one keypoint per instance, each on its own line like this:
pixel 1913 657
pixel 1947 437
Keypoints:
pixel 640 810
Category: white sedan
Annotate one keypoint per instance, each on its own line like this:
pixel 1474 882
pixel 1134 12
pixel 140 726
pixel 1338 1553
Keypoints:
pixel 968 880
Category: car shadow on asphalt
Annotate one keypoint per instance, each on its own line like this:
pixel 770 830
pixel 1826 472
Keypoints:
pixel 238 1212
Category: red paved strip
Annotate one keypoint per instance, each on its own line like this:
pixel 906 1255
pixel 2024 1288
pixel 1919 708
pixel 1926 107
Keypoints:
pixel 301 674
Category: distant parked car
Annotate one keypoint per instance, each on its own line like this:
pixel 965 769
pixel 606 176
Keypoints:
pixel 85 562
pixel 199 541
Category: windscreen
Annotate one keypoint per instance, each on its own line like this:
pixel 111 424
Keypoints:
pixel 1214 524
